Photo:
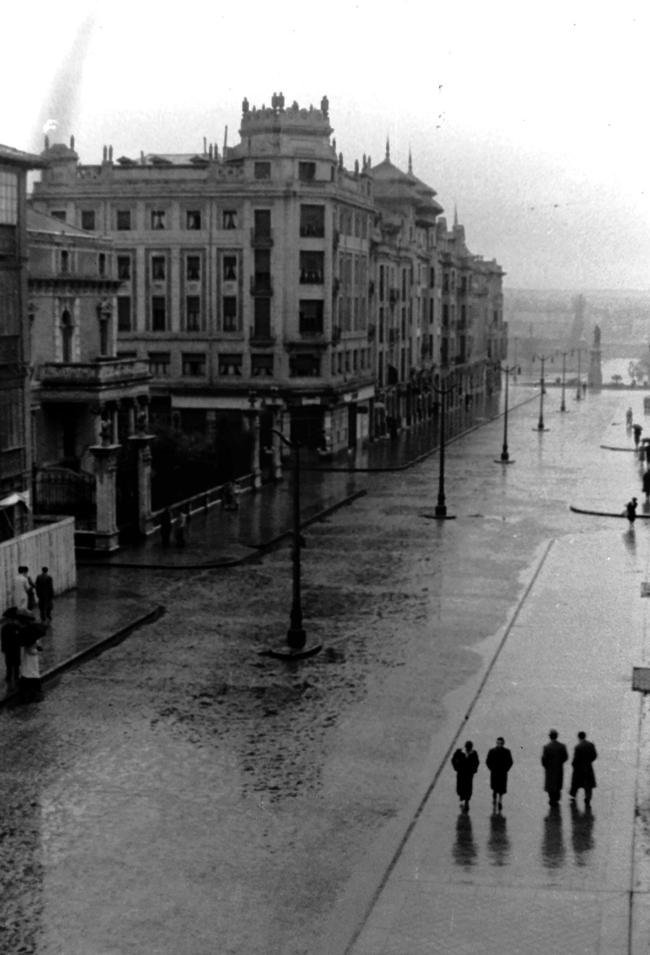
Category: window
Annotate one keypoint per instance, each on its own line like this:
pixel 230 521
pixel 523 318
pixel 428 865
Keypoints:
pixel 58 214
pixel 262 218
pixel 159 362
pixel 304 366
pixel 158 313
pixel 193 219
pixel 65 261
pixel 262 170
pixel 312 221
pixel 261 366
pixel 229 309
pixel 124 267
pixel 262 327
pixel 229 268
pixel 124 313
pixel 193 313
pixel 230 365
pixel 306 171
pixel 102 264
pixel 158 268
pixel 193 268
pixel 88 219
pixel 311 268
pixel 9 198
pixel 229 219
pixel 192 365
pixel 123 220
pixel 311 317
pixel 158 218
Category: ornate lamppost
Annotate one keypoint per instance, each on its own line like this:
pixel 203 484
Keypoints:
pixel 542 359
pixel 564 354
pixel 441 507
pixel 505 457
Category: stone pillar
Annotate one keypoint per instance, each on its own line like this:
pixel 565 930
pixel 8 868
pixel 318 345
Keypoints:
pixel 256 471
pixel 107 535
pixel 276 450
pixel 141 445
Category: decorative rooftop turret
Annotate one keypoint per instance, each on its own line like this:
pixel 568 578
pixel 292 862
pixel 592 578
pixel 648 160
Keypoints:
pixel 285 119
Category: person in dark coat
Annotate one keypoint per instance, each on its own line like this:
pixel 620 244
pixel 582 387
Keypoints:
pixel 499 762
pixel 637 429
pixel 45 594
pixel 10 643
pixel 583 776
pixel 465 763
pixel 554 756
pixel 630 510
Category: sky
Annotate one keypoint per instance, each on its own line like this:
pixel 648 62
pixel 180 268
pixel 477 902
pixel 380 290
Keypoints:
pixel 529 118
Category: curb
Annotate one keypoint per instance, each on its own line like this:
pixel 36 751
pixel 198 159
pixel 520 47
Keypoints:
pixel 582 510
pixel 257 549
pixel 94 650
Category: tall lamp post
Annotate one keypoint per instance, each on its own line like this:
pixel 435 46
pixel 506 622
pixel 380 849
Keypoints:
pixel 578 391
pixel 505 457
pixel 564 354
pixel 296 636
pixel 542 359
pixel 441 507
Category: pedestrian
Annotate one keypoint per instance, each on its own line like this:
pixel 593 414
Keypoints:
pixel 554 756
pixel 179 529
pixel 499 762
pixel 165 527
pixel 23 589
pixel 583 776
pixel 30 670
pixel 45 593
pixel 465 763
pixel 637 429
pixel 646 483
pixel 630 510
pixel 628 418
pixel 10 644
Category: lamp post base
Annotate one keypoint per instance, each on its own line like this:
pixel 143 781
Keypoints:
pixel 506 460
pixel 287 653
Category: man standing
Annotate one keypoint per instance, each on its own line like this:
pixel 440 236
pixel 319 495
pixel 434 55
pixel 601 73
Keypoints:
pixel 45 593
pixel 554 756
pixel 465 764
pixel 10 640
pixel 499 762
pixel 583 776
pixel 22 585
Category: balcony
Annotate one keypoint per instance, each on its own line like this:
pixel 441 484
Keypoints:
pixel 261 337
pixel 261 284
pixel 86 381
pixel 261 239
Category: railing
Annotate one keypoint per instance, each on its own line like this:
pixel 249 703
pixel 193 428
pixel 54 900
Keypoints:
pixel 94 373
pixel 261 336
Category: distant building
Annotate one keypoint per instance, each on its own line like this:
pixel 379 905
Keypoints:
pixel 271 284
pixel 15 430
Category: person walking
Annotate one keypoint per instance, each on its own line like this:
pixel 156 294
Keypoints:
pixel 583 776
pixel 554 756
pixel 465 764
pixel 637 429
pixel 24 598
pixel 499 762
pixel 630 511
pixel 45 593
pixel 10 645
pixel 628 419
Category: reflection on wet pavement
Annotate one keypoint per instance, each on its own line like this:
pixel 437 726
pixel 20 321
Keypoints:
pixel 582 839
pixel 498 841
pixel 553 850
pixel 465 850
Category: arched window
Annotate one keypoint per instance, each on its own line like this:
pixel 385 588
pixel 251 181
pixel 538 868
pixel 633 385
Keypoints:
pixel 67 336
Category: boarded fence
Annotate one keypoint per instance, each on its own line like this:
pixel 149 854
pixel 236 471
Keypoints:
pixel 49 545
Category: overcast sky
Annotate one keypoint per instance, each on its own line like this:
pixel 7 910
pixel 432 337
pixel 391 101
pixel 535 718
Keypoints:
pixel 530 117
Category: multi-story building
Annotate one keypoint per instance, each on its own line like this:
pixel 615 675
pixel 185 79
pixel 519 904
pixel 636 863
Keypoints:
pixel 271 283
pixel 15 431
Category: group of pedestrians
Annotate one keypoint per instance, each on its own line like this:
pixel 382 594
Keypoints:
pixel 21 632
pixel 499 762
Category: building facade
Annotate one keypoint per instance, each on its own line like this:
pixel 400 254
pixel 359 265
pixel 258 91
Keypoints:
pixel 273 285
pixel 15 431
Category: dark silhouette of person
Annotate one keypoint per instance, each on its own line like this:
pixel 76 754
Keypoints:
pixel 499 762
pixel 583 776
pixel 10 641
pixel 637 429
pixel 465 763
pixel 630 510
pixel 45 594
pixel 554 756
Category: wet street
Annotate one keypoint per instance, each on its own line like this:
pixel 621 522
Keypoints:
pixel 181 794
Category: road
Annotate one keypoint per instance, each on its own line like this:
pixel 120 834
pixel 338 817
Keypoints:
pixel 183 794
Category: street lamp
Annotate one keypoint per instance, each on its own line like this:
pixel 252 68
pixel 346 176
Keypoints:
pixel 505 457
pixel 564 354
pixel 540 423
pixel 441 508
pixel 578 391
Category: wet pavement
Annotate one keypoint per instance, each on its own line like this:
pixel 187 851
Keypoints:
pixel 180 793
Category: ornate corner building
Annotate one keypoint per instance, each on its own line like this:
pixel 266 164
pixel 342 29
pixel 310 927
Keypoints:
pixel 270 283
